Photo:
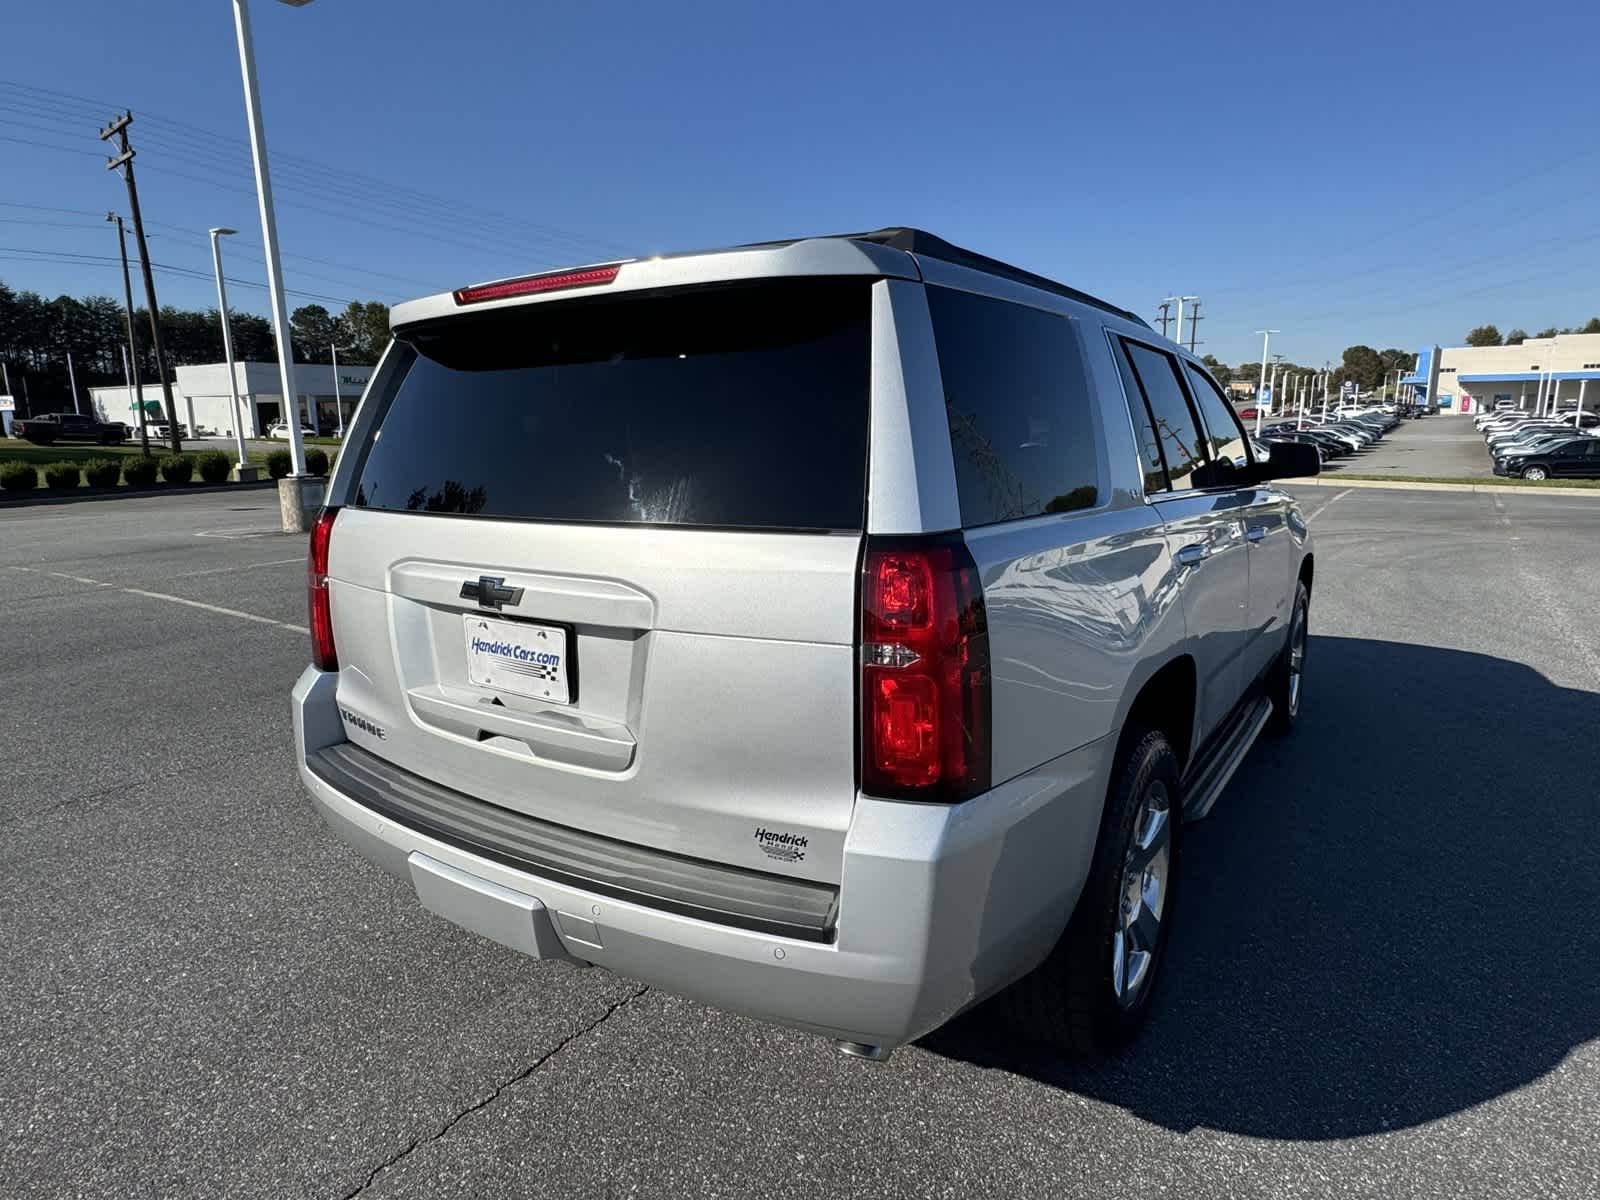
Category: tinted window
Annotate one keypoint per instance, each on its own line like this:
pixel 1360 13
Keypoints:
pixel 1144 430
pixel 1222 423
pixel 733 406
pixel 1017 400
pixel 1177 431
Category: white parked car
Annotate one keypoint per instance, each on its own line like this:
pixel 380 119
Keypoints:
pixel 279 430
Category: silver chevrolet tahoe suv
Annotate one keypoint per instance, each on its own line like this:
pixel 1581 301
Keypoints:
pixel 838 631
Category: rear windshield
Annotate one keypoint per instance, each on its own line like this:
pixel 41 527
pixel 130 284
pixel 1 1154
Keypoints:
pixel 735 406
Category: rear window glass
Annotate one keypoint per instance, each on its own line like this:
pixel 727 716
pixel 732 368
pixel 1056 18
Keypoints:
pixel 1017 399
pixel 737 406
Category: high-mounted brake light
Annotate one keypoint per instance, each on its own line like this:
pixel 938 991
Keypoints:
pixel 925 705
pixel 323 656
pixel 532 284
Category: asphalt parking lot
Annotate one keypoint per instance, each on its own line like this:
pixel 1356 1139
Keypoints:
pixel 1439 446
pixel 1385 979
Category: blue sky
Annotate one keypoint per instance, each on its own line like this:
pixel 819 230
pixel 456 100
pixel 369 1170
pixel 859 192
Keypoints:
pixel 1357 172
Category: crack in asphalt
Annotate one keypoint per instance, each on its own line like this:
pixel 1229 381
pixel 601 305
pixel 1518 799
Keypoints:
pixel 418 1142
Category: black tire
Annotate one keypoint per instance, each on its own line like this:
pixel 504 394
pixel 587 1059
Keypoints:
pixel 1282 687
pixel 1070 1001
pixel 1535 473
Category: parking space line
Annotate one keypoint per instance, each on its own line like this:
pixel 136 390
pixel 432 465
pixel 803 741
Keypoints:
pixel 216 608
pixel 1322 508
pixel 276 562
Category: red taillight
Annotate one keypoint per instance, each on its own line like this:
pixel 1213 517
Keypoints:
pixel 532 284
pixel 323 656
pixel 925 712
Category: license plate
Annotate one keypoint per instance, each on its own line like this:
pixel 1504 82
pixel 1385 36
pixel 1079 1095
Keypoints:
pixel 521 657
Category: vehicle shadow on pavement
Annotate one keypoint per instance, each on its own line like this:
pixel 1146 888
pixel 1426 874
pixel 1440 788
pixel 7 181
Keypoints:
pixel 1391 916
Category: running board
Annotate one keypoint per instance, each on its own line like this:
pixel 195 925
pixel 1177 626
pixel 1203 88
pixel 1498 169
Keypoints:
pixel 1210 775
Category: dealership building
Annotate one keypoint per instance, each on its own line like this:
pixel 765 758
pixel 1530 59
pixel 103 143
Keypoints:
pixel 203 401
pixel 1563 370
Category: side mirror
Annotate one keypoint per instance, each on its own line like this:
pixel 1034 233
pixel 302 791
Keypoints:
pixel 1290 460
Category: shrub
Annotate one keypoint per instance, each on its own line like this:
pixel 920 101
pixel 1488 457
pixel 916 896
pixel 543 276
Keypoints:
pixel 177 468
pixel 102 472
pixel 62 475
pixel 214 466
pixel 140 470
pixel 279 464
pixel 316 460
pixel 18 477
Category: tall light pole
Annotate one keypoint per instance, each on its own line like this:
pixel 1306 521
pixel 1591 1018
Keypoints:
pixel 1181 301
pixel 72 382
pixel 338 396
pixel 291 495
pixel 243 472
pixel 137 391
pixel 1261 388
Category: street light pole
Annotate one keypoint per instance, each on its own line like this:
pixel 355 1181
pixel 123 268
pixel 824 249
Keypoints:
pixel 243 472
pixel 293 509
pixel 338 396
pixel 133 350
pixel 1261 388
pixel 72 382
pixel 1181 300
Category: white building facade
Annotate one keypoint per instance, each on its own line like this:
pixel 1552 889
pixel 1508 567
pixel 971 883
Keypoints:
pixel 204 403
pixel 1559 372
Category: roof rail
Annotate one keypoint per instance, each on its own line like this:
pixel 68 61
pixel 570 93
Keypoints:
pixel 919 241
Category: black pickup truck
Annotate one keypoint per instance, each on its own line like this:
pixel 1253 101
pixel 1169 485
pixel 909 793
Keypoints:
pixel 69 427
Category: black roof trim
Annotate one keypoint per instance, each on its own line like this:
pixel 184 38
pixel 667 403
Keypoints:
pixel 919 241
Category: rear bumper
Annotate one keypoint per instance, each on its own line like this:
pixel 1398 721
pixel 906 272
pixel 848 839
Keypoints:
pixel 937 906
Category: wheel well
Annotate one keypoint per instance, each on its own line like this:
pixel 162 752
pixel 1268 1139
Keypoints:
pixel 1306 567
pixel 1167 702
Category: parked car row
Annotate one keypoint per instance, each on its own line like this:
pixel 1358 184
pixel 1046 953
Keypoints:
pixel 1344 432
pixel 1557 446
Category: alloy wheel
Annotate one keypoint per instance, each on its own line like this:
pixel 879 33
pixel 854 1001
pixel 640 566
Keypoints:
pixel 1142 898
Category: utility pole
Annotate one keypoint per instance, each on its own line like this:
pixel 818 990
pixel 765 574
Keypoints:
pixel 72 382
pixel 1194 324
pixel 1165 318
pixel 1261 388
pixel 118 128
pixel 133 349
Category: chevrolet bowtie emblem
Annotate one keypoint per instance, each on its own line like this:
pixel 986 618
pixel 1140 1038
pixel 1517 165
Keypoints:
pixel 490 591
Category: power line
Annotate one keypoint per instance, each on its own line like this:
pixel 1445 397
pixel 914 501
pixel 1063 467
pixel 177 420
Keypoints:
pixel 491 244
pixel 13 253
pixel 388 294
pixel 431 284
pixel 313 170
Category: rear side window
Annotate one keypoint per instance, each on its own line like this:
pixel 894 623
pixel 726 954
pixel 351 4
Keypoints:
pixel 1017 400
pixel 1177 431
pixel 1222 424
pixel 742 406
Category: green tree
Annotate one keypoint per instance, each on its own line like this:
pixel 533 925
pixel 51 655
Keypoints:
pixel 1550 332
pixel 1592 326
pixel 1485 335
pixel 364 327
pixel 1394 359
pixel 252 338
pixel 1217 368
pixel 312 332
pixel 1364 365
pixel 1516 337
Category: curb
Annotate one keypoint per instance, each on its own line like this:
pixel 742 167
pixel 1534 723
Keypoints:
pixel 144 493
pixel 1418 485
